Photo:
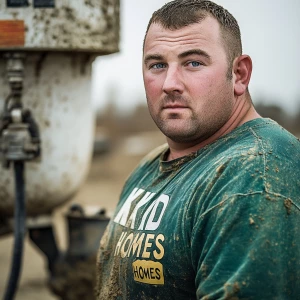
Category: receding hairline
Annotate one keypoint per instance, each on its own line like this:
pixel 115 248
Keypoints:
pixel 160 23
pixel 203 15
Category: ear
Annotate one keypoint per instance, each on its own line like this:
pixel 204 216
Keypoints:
pixel 242 68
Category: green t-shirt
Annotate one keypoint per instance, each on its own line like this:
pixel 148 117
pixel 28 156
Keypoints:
pixel 220 223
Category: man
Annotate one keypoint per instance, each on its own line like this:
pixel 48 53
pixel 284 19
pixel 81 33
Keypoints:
pixel 215 213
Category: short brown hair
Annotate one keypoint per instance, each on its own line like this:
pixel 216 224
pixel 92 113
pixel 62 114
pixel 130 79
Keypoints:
pixel 179 13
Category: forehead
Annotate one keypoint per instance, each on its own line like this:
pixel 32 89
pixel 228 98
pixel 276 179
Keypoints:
pixel 204 35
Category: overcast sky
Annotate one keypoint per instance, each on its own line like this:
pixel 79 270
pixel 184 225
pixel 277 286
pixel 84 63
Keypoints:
pixel 270 35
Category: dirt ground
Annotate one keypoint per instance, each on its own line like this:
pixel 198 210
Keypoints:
pixel 102 188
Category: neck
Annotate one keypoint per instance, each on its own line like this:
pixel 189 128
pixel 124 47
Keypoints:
pixel 242 113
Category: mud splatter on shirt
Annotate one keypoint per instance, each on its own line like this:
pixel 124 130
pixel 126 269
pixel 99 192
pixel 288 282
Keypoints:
pixel 222 223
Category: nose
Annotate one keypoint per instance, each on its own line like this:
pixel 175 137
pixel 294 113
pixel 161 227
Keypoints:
pixel 173 81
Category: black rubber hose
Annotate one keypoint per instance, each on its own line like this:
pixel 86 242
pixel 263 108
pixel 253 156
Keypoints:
pixel 19 231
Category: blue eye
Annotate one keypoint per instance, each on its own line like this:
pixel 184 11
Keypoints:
pixel 158 66
pixel 195 63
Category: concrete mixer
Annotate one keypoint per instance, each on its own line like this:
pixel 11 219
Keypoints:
pixel 46 126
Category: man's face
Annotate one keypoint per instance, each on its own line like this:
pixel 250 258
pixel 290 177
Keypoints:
pixel 188 94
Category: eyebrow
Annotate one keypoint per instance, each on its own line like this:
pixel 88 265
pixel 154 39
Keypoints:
pixel 153 57
pixel 181 55
pixel 194 52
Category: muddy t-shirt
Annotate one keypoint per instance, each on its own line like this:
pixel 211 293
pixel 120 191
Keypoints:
pixel 220 223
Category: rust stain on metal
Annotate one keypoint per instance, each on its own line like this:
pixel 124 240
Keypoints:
pixel 12 33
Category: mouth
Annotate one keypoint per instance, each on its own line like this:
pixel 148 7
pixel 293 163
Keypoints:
pixel 174 106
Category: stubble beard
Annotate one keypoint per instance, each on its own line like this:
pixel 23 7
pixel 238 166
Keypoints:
pixel 188 131
pixel 192 128
pixel 180 128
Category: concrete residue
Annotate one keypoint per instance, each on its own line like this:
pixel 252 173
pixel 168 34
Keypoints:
pixel 89 26
pixel 288 205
